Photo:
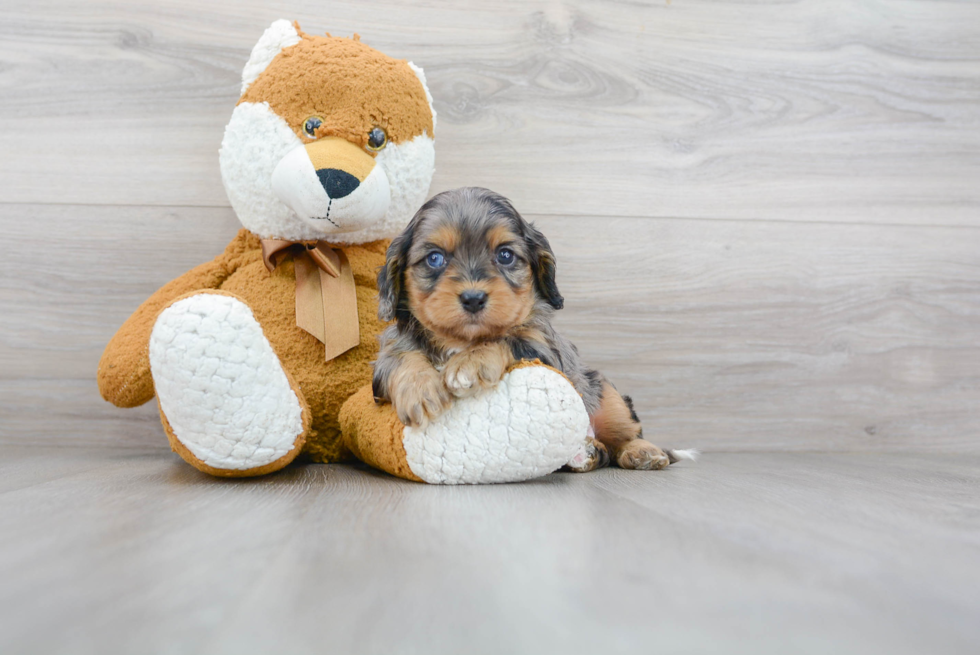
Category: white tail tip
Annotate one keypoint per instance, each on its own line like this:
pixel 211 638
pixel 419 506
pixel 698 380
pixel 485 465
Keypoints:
pixel 691 454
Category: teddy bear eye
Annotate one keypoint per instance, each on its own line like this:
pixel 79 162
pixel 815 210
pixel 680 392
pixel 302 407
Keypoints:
pixel 377 139
pixel 311 125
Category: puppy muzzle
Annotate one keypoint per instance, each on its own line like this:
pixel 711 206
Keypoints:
pixel 473 300
pixel 332 185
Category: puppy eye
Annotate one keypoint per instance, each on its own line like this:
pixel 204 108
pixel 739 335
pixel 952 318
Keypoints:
pixel 311 125
pixel 435 259
pixel 377 139
pixel 505 256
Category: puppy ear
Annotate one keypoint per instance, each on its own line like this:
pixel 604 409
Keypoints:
pixel 391 276
pixel 543 266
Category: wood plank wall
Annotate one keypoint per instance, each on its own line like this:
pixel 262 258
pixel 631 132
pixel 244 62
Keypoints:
pixel 766 214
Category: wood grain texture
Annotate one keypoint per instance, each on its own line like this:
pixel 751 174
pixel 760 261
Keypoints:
pixel 107 551
pixel 798 110
pixel 728 334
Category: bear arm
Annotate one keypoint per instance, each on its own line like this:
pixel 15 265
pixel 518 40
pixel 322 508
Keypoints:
pixel 124 370
pixel 374 434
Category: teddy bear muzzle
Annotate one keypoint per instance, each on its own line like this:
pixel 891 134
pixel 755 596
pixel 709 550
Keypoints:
pixel 332 185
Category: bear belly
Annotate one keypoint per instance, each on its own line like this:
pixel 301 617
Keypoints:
pixel 325 385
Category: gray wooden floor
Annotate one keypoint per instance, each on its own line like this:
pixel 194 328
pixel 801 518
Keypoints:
pixel 103 551
pixel 767 223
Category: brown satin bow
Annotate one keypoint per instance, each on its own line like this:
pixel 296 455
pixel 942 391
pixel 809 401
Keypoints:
pixel 326 299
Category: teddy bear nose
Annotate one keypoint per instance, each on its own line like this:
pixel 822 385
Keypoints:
pixel 337 183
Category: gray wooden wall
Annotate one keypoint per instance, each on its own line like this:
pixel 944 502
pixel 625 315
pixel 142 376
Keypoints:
pixel 766 214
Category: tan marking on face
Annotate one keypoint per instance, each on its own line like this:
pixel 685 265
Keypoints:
pixel 351 87
pixel 445 237
pixel 438 307
pixel 334 152
pixel 440 311
pixel 498 235
pixel 507 307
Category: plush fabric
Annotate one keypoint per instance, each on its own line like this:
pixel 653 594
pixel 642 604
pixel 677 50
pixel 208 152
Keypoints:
pixel 281 35
pixel 529 425
pixel 295 95
pixel 351 88
pixel 375 435
pixel 124 371
pixel 221 386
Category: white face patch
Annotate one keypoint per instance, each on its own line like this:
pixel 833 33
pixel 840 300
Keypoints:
pixel 257 141
pixel 339 211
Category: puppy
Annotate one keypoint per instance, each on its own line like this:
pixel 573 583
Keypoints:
pixel 471 286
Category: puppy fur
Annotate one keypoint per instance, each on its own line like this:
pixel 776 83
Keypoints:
pixel 471 287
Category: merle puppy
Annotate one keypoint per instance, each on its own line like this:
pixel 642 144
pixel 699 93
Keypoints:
pixel 471 286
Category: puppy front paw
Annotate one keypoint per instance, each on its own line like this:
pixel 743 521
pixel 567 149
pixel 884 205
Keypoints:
pixel 421 399
pixel 476 368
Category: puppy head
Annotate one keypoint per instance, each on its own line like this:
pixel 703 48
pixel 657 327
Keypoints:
pixel 468 267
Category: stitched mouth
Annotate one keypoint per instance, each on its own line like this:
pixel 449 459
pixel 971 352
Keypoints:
pixel 327 216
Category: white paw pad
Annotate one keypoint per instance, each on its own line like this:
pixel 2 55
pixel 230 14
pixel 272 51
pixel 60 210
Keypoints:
pixel 529 425
pixel 221 385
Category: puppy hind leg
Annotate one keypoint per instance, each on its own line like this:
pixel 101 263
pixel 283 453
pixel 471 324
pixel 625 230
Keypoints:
pixel 593 456
pixel 618 427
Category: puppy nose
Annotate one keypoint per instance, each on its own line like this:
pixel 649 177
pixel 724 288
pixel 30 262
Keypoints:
pixel 337 183
pixel 473 300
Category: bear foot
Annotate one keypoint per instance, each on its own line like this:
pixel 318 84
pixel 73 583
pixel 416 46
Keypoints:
pixel 532 423
pixel 227 405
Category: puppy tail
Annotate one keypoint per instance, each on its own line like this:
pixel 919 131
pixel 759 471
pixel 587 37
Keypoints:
pixel 675 456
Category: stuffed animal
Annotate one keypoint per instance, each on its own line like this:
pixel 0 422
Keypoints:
pixel 252 356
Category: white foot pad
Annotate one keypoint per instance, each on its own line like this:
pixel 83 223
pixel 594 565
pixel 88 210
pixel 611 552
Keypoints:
pixel 532 423
pixel 220 384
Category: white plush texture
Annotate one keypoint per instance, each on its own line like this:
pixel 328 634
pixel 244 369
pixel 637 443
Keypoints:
pixel 296 183
pixel 529 425
pixel 419 73
pixel 281 34
pixel 409 166
pixel 220 384
pixel 257 139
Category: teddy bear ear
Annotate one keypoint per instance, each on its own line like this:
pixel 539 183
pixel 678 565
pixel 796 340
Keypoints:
pixel 281 34
pixel 419 73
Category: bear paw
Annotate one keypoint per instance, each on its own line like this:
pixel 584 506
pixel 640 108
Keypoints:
pixel 532 423
pixel 227 404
